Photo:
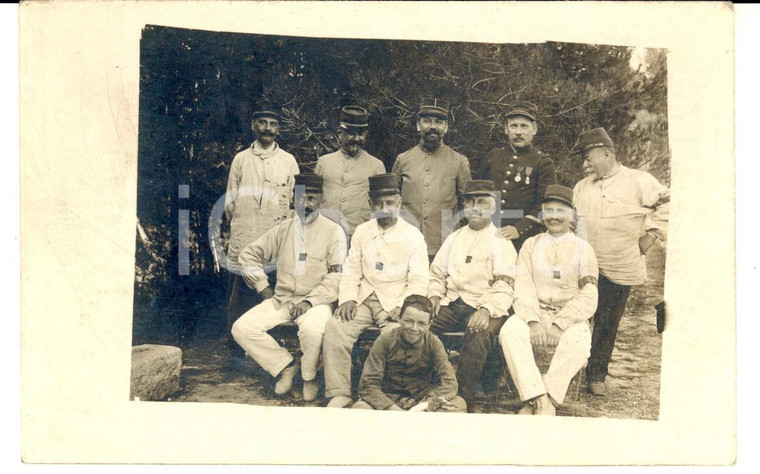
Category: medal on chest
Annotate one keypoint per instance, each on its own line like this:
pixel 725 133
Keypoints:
pixel 528 172
pixel 518 176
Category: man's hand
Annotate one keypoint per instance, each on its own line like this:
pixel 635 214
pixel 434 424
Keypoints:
pixel 395 407
pixel 299 309
pixel 553 334
pixel 393 314
pixel 645 243
pixel 434 403
pixel 346 311
pixel 509 232
pixel 538 336
pixel 479 320
pixel 267 293
pixel 436 300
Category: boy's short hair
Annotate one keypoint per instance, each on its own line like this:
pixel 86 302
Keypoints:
pixel 418 302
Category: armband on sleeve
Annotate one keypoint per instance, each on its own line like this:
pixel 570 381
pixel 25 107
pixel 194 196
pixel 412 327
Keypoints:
pixel 505 278
pixel 335 269
pixel 587 279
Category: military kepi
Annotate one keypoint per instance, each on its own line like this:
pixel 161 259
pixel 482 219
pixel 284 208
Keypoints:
pixel 430 107
pixel 384 184
pixel 353 116
pixel 479 187
pixel 523 108
pixel 593 139
pixel 556 192
pixel 267 108
pixel 312 183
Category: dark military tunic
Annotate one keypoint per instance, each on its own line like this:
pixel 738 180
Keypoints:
pixel 522 175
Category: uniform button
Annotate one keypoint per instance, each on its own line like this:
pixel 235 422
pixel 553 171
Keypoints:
pixel 508 173
pixel 427 184
pixel 427 169
pixel 345 185
pixel 511 165
pixel 503 201
pixel 344 199
pixel 424 201
pixel 424 218
pixel 514 157
pixel 506 182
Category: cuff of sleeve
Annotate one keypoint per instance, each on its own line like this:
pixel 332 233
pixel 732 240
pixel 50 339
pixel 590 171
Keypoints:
pixel 530 319
pixel 491 310
pixel 561 323
pixel 435 294
pixel 260 285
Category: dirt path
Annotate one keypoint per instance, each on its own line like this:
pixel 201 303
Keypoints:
pixel 212 374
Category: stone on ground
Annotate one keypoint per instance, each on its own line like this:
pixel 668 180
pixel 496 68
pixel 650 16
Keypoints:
pixel 155 371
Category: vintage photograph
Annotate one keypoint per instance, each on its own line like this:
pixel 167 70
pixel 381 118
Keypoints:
pixel 400 225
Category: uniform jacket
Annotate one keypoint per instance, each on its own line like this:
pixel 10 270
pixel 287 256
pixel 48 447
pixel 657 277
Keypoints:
pixel 259 193
pixel 432 184
pixel 484 280
pixel 346 186
pixel 397 368
pixel 614 212
pixel 556 279
pixel 520 199
pixel 308 259
pixel 391 262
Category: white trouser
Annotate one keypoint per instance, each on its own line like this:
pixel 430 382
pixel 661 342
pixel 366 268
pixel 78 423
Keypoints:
pixel 571 353
pixel 250 331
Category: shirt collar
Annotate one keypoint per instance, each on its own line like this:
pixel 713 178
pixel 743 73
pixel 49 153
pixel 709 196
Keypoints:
pixel 435 152
pixel 612 172
pixel 402 342
pixel 259 151
pixel 522 151
pixel 559 238
pixel 349 157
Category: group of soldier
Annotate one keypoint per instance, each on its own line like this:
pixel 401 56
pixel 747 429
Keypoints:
pixel 513 259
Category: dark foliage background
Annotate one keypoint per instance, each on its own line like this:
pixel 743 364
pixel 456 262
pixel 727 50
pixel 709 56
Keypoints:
pixel 197 89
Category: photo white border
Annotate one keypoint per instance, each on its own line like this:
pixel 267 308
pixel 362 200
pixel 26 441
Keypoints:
pixel 79 97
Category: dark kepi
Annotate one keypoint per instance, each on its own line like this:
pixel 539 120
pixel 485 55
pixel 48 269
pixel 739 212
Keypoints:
pixel 312 183
pixel 353 116
pixel 556 192
pixel 267 108
pixel 384 184
pixel 523 108
pixel 430 107
pixel 479 187
pixel 595 138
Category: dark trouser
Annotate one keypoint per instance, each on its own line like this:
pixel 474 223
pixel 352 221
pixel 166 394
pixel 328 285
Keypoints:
pixel 476 347
pixel 241 299
pixel 612 299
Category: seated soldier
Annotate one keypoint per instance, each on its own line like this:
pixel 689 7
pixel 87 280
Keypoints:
pixel 386 263
pixel 555 296
pixel 471 280
pixel 407 367
pixel 309 251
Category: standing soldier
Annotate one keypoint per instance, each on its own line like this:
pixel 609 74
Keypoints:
pixel 622 212
pixel 346 171
pixel 259 193
pixel 434 176
pixel 523 173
